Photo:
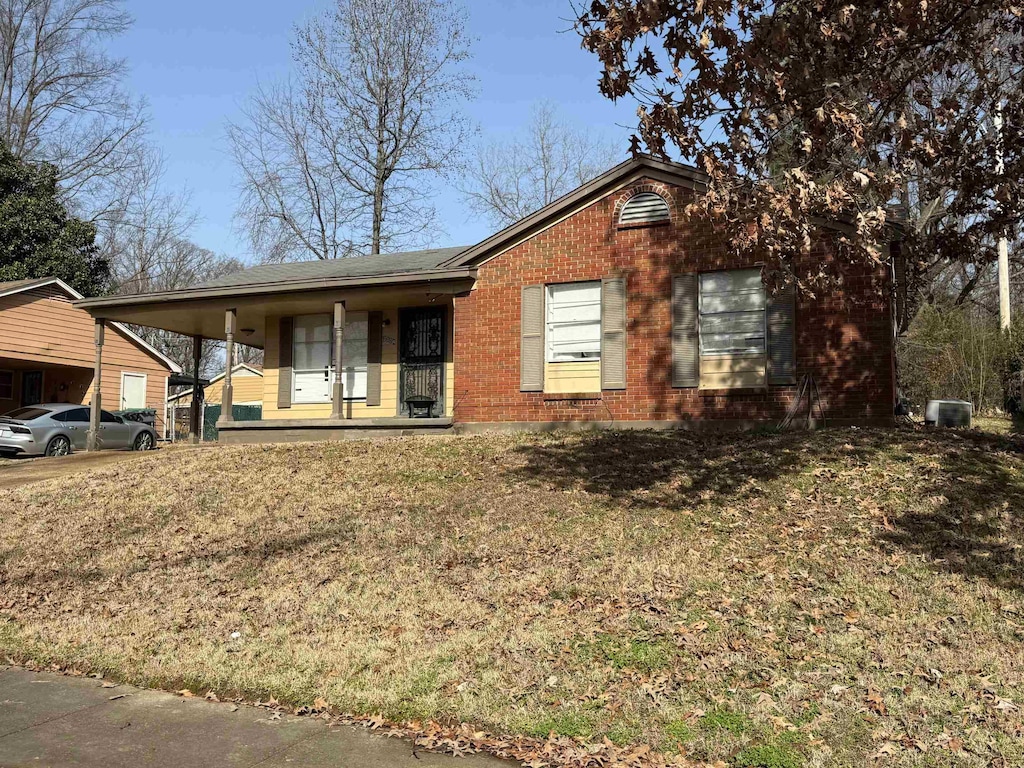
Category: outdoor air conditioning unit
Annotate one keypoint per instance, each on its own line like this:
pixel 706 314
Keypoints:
pixel 948 413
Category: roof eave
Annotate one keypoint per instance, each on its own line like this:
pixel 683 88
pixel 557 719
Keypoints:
pixel 96 304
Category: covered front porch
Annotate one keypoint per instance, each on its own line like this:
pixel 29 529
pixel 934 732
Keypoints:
pixel 393 341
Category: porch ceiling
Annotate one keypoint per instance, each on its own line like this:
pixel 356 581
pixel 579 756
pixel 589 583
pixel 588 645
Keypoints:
pixel 179 312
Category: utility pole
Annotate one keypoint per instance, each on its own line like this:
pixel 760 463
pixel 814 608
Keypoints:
pixel 1003 248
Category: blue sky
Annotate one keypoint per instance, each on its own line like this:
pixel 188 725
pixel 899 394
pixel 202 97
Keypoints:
pixel 196 62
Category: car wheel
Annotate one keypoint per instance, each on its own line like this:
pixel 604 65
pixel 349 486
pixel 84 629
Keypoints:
pixel 143 442
pixel 58 446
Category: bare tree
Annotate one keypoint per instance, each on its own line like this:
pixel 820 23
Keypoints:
pixel 506 181
pixel 141 234
pixel 337 161
pixel 181 264
pixel 146 241
pixel 61 95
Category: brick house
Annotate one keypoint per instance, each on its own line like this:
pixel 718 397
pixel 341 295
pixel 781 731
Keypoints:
pixel 605 308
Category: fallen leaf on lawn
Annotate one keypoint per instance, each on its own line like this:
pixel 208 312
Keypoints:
pixel 211 696
pixel 186 693
pixel 886 750
pixel 875 701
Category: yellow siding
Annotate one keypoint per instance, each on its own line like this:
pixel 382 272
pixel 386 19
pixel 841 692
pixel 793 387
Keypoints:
pixel 582 376
pixel 248 388
pixel 353 409
pixel 732 371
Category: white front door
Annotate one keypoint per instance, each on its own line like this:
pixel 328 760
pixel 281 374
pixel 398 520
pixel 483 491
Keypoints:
pixel 133 390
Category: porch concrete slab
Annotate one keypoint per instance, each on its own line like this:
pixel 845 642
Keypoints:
pixel 52 720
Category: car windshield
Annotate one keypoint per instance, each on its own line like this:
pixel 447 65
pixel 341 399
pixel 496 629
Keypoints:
pixel 26 414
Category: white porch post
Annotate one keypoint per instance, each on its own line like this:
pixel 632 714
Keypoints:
pixel 93 440
pixel 337 403
pixel 226 401
pixel 194 429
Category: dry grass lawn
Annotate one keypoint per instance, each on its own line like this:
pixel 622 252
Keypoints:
pixel 775 600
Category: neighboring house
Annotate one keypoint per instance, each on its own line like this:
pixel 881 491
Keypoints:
pixel 48 351
pixel 248 388
pixel 606 307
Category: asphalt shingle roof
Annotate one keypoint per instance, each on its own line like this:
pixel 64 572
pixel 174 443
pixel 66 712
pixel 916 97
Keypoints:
pixel 358 266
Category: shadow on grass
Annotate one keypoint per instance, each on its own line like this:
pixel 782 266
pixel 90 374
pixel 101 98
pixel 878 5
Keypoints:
pixel 964 509
pixel 680 468
pixel 1017 424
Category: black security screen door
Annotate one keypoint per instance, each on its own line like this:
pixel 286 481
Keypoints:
pixel 421 354
pixel 31 387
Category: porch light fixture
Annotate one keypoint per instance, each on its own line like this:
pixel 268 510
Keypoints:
pixel 247 331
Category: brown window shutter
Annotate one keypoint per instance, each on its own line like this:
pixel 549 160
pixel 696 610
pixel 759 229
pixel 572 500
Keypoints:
pixel 284 363
pixel 374 336
pixel 531 339
pixel 781 337
pixel 685 339
pixel 613 333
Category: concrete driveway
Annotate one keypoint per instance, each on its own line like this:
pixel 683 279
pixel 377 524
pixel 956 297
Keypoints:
pixel 17 472
pixel 52 720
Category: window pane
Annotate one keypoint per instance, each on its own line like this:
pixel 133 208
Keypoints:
pixel 26 414
pixel 353 382
pixel 309 328
pixel 355 346
pixel 574 321
pixel 77 415
pixel 312 355
pixel 311 387
pixel 732 312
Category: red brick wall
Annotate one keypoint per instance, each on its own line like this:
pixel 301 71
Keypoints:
pixel 843 339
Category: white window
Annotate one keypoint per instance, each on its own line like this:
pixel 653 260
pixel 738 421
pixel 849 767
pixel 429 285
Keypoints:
pixel 732 317
pixel 133 390
pixel 574 322
pixel 312 358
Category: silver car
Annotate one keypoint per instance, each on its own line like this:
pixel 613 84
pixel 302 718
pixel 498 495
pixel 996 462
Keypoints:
pixel 57 429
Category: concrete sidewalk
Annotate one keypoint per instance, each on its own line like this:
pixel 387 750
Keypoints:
pixel 52 720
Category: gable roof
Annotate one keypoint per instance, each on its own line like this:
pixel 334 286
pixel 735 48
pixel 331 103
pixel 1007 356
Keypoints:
pixel 12 287
pixel 623 174
pixel 237 367
pixel 20 286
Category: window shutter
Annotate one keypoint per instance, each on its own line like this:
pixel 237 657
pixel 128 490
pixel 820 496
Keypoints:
pixel 685 341
pixel 613 333
pixel 781 337
pixel 374 334
pixel 284 363
pixel 531 339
